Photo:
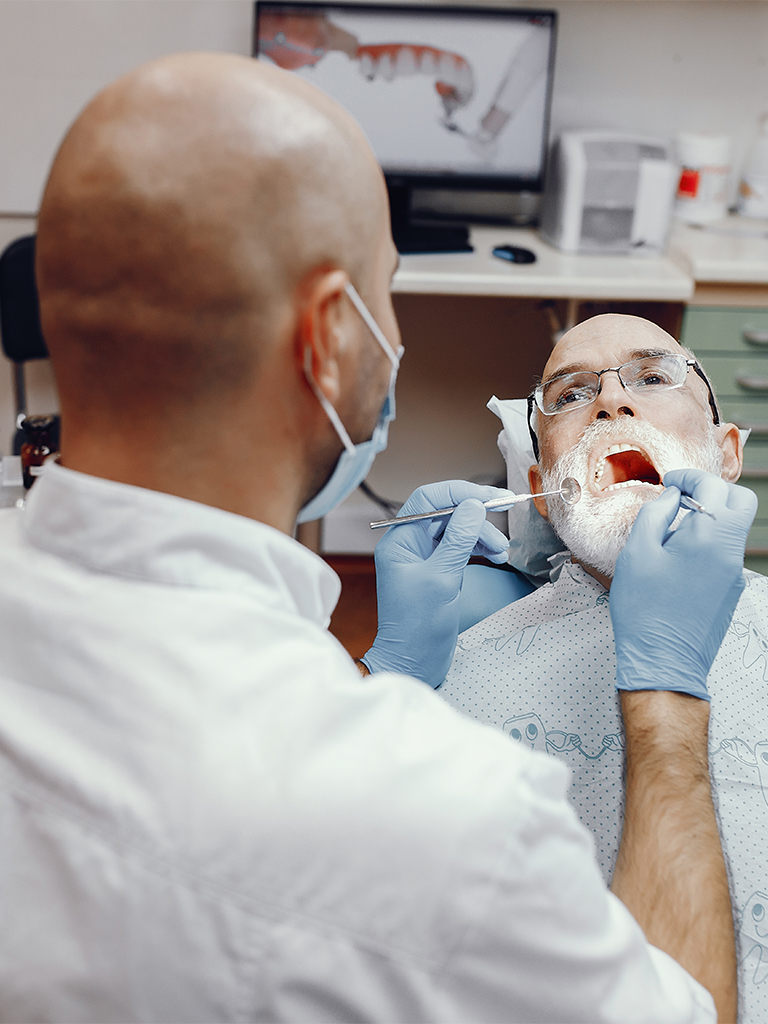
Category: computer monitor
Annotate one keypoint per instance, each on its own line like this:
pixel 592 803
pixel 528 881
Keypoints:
pixel 449 97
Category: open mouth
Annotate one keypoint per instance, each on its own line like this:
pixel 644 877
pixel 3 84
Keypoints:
pixel 624 465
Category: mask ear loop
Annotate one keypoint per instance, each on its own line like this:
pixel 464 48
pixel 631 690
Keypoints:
pixel 373 327
pixel 376 331
pixel 330 412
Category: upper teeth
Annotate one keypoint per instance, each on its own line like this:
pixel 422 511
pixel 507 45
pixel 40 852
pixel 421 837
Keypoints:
pixel 395 60
pixel 613 450
pixel 628 483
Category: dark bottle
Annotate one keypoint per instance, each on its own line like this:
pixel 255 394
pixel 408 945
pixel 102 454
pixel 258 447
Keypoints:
pixel 41 439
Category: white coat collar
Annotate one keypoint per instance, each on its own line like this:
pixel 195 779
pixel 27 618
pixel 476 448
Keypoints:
pixel 133 532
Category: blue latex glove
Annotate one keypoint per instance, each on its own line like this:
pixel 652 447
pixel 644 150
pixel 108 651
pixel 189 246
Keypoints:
pixel 419 572
pixel 674 593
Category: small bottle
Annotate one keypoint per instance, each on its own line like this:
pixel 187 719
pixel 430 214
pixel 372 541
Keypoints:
pixel 753 190
pixel 705 167
pixel 41 440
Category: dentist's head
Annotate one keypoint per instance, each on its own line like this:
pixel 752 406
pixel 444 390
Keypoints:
pixel 210 232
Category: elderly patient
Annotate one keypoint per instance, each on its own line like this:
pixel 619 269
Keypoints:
pixel 542 669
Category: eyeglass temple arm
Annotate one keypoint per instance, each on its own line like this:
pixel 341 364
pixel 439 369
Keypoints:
pixel 710 392
pixel 531 431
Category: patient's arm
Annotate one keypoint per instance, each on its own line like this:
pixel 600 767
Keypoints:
pixel 670 870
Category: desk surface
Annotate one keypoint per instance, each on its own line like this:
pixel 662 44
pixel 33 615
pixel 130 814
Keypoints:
pixel 732 250
pixel 553 275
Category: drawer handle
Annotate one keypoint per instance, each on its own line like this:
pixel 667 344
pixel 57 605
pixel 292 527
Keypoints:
pixel 755 337
pixel 752 383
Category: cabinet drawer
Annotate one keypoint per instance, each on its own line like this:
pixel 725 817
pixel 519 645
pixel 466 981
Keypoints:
pixel 757 541
pixel 717 329
pixel 757 546
pixel 755 476
pixel 739 375
pixel 744 414
pixel 760 486
pixel 756 457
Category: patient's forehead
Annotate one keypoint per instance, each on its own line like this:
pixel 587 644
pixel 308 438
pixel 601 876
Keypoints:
pixel 607 340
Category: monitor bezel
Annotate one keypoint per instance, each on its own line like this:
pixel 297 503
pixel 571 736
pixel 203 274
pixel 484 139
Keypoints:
pixel 460 181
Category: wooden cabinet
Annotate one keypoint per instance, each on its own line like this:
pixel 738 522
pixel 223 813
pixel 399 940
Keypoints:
pixel 732 346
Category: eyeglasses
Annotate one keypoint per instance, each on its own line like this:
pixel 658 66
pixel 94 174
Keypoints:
pixel 646 376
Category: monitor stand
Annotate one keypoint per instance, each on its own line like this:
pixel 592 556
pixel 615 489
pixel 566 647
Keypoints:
pixel 424 238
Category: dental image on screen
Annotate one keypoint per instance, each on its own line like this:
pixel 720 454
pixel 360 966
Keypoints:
pixel 436 92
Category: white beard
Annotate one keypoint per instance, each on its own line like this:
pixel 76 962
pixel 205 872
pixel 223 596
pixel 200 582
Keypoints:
pixel 596 529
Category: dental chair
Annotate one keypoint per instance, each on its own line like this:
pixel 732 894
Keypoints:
pixel 20 332
pixel 535 551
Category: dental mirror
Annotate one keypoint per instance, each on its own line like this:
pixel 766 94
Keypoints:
pixel 570 490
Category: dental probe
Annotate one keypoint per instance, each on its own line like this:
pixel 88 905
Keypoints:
pixel 694 505
pixel 569 491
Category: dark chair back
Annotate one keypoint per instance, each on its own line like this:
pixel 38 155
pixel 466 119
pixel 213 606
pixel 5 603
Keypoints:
pixel 22 337
pixel 20 332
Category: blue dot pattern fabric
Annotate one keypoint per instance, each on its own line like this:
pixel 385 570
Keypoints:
pixel 543 671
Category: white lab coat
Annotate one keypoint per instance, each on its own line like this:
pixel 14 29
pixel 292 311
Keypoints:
pixel 207 815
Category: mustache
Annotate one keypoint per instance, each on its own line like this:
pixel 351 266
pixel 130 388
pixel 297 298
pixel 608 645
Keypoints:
pixel 639 431
pixel 660 451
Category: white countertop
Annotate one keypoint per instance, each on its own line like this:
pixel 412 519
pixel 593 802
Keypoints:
pixel 553 275
pixel 728 250
pixel 695 255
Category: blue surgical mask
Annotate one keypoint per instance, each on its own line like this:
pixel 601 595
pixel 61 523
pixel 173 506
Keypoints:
pixel 356 459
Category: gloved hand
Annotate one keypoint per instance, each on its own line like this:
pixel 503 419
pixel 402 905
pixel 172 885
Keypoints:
pixel 674 592
pixel 419 571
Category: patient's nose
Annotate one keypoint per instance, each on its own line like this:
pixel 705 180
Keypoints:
pixel 613 400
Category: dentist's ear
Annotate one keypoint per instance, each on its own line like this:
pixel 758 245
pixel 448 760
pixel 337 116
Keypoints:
pixel 733 451
pixel 319 329
pixel 535 485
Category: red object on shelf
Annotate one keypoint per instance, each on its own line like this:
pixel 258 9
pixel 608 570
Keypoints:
pixel 689 183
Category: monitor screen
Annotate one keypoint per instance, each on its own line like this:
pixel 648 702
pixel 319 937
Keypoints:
pixel 446 95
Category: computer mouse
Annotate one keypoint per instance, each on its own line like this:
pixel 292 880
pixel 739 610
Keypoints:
pixel 514 254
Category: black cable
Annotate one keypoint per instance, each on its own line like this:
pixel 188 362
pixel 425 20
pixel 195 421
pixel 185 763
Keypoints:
pixel 389 506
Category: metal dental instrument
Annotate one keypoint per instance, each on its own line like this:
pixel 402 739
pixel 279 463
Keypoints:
pixel 694 505
pixel 569 491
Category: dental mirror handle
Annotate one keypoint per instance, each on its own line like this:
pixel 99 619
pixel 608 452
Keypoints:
pixel 493 504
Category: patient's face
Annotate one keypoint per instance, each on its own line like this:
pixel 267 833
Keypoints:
pixel 620 447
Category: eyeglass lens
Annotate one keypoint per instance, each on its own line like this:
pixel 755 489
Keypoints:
pixel 647 375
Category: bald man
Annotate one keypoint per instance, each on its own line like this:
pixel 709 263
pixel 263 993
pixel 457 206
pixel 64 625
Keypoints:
pixel 551 655
pixel 207 813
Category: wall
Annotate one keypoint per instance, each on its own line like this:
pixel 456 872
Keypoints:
pixel 663 67
pixel 655 67
pixel 55 54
